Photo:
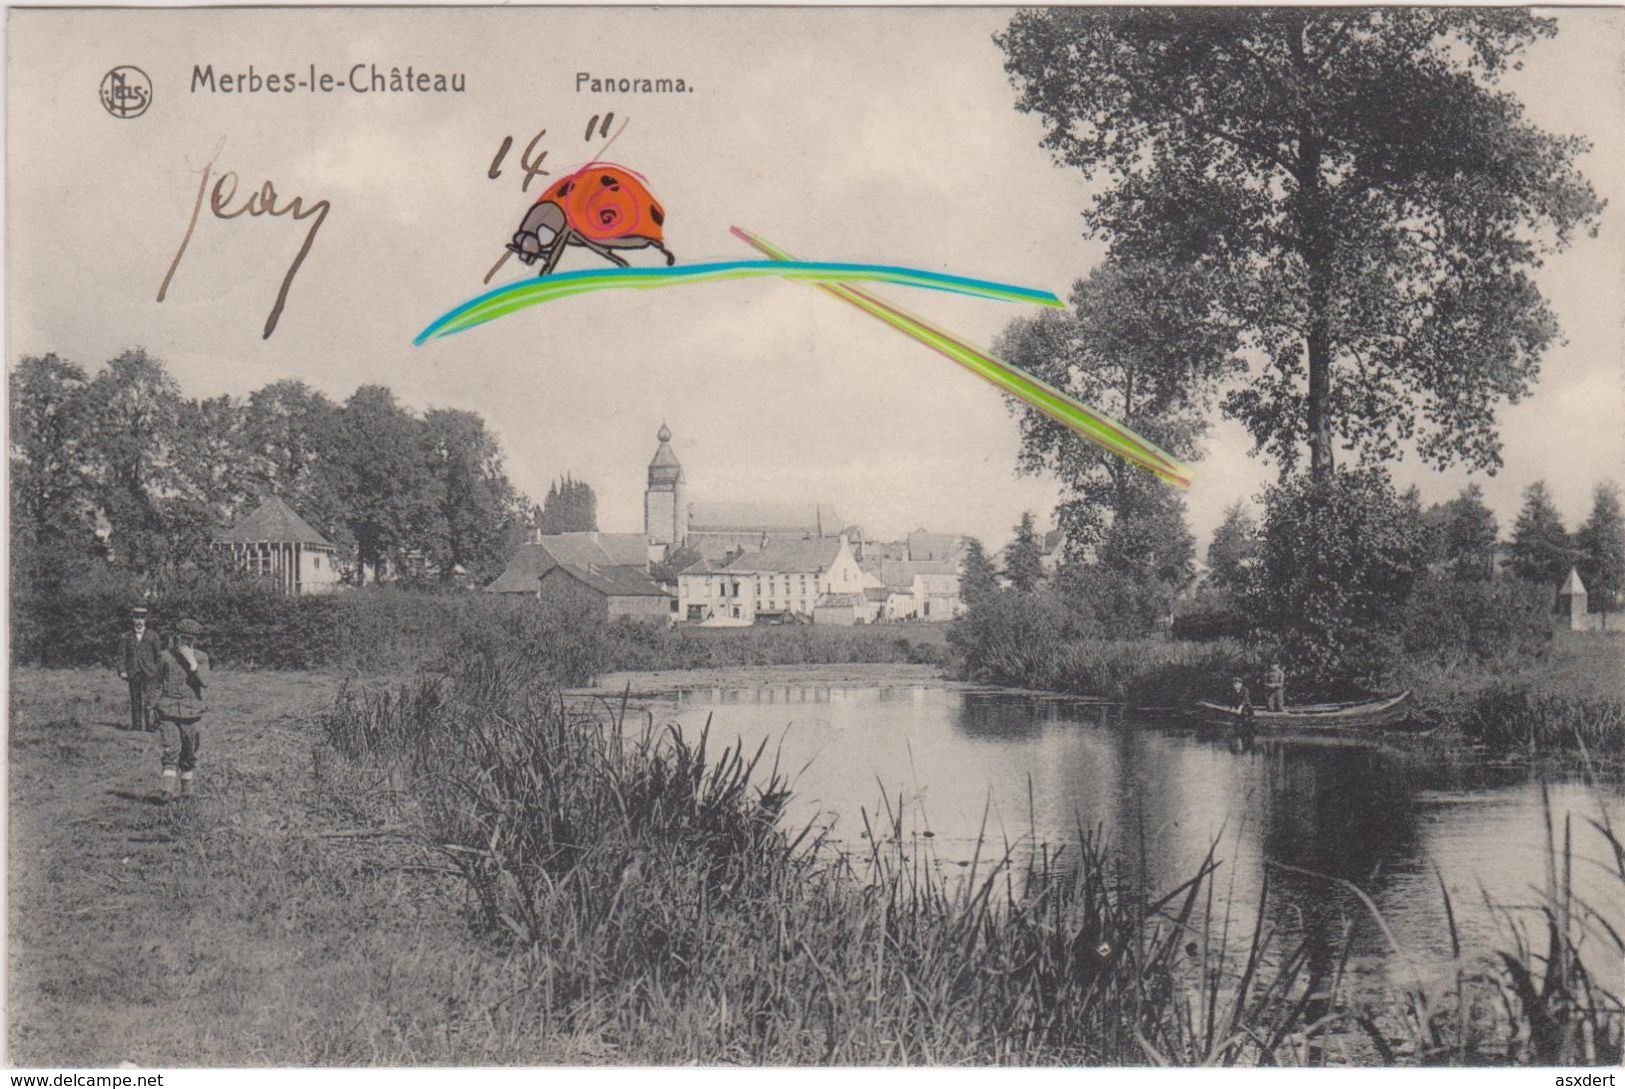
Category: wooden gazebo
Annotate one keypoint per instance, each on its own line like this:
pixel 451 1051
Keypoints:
pixel 274 542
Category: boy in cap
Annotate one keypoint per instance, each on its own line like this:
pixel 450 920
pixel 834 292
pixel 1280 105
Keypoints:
pixel 138 655
pixel 181 707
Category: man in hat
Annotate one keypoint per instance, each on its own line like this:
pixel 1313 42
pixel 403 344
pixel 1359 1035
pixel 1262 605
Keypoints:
pixel 138 656
pixel 181 707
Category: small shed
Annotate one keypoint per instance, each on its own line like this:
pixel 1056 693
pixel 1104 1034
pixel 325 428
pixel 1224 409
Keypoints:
pixel 274 542
pixel 609 592
pixel 1571 603
pixel 843 610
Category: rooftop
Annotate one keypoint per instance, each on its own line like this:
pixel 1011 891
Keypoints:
pixel 536 558
pixel 276 522
pixel 762 517
pixel 809 556
pixel 609 581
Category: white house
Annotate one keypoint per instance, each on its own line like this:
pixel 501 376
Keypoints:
pixel 782 580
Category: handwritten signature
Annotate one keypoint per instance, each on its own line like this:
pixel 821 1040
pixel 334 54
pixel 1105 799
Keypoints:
pixel 262 202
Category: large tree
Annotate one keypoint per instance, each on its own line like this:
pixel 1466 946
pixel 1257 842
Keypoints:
pixel 474 502
pixel 1366 203
pixel 1024 556
pixel 978 581
pixel 1601 543
pixel 133 408
pixel 292 434
pixel 1465 533
pixel 1233 551
pixel 52 506
pixel 1141 343
pixel 1541 549
pixel 381 474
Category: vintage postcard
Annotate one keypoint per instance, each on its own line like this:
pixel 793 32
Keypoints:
pixel 815 536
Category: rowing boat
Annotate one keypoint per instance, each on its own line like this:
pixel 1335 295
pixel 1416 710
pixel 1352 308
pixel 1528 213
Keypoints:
pixel 1382 713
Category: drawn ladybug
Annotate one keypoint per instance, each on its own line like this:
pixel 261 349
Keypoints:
pixel 601 207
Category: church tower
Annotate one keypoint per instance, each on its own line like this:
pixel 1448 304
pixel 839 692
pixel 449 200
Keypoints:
pixel 665 509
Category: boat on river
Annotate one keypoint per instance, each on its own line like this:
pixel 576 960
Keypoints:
pixel 1382 713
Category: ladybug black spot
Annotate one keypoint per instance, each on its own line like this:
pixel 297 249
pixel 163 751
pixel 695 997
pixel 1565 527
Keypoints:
pixel 564 190
pixel 609 180
pixel 657 215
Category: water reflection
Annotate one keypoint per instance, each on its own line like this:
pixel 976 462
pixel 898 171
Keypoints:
pixel 1033 771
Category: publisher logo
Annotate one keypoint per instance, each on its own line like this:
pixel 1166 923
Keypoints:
pixel 126 91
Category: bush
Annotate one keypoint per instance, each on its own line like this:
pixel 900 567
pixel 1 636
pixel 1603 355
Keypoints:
pixel 1452 621
pixel 1013 637
pixel 1338 562
pixel 1210 615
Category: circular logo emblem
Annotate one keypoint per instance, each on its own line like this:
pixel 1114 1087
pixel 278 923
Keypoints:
pixel 126 91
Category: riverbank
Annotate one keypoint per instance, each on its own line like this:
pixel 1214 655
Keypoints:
pixel 655 683
pixel 304 908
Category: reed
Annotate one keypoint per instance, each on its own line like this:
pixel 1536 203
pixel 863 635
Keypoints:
pixel 643 883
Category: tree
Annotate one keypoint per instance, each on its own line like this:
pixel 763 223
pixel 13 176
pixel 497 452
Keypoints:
pixel 1023 558
pixel 474 502
pixel 52 508
pixel 1233 551
pixel 293 442
pixel 1153 546
pixel 1541 550
pixel 1338 563
pixel 1140 343
pixel 382 478
pixel 570 507
pixel 1468 533
pixel 977 580
pixel 133 411
pixel 1601 542
pixel 215 462
pixel 1365 203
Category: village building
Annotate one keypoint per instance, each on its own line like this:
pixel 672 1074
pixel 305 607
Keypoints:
pixel 275 543
pixel 543 552
pixel 717 529
pixel 784 581
pixel 923 590
pixel 608 593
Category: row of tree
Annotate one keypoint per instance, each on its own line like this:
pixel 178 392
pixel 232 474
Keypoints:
pixel 122 468
pixel 1461 537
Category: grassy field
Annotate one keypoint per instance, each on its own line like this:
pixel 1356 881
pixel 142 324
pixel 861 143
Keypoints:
pixel 257 925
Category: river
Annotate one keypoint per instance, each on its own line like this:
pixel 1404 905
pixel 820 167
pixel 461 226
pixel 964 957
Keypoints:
pixel 1038 769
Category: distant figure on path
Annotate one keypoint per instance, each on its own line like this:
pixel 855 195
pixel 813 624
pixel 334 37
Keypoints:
pixel 138 657
pixel 181 707
pixel 1275 687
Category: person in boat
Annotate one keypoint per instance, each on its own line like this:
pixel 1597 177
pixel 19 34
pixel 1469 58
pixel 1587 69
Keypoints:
pixel 1241 699
pixel 1243 710
pixel 1275 686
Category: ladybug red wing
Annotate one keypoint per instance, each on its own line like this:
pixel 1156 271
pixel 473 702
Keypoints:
pixel 606 203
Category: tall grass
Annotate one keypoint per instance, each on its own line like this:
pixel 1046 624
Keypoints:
pixel 644 882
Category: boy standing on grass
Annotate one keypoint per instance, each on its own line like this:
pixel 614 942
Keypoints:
pixel 180 708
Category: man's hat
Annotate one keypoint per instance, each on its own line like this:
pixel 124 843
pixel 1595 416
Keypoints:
pixel 138 613
pixel 189 627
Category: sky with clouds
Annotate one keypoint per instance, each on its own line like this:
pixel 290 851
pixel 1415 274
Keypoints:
pixel 849 135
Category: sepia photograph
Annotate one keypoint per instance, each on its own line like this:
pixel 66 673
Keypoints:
pixel 815 537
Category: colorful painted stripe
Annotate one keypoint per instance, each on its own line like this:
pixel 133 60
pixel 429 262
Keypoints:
pixel 539 289
pixel 1027 388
